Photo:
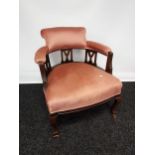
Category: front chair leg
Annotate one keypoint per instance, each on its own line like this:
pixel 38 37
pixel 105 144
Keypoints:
pixel 53 119
pixel 115 105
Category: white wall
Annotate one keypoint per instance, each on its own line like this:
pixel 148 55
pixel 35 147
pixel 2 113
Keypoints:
pixel 107 21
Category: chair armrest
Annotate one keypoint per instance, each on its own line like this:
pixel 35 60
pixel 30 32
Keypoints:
pixel 40 55
pixel 103 49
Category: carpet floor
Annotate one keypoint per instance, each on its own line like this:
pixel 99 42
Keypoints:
pixel 91 132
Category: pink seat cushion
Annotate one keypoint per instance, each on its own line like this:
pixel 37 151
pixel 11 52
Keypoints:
pixel 76 85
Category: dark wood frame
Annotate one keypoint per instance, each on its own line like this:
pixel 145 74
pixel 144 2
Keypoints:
pixel 91 58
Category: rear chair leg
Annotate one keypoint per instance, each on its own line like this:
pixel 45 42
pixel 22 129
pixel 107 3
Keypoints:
pixel 53 119
pixel 115 105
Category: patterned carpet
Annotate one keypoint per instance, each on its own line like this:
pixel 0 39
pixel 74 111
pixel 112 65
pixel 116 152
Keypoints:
pixel 91 132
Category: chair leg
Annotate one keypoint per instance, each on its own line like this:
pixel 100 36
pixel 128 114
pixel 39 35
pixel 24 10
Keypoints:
pixel 115 105
pixel 53 119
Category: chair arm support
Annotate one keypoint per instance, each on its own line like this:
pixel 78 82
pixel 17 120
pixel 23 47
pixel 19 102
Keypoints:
pixel 40 59
pixel 103 49
pixel 40 55
pixel 109 63
pixel 43 73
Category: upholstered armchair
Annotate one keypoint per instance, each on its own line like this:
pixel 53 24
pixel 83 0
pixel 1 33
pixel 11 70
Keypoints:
pixel 74 86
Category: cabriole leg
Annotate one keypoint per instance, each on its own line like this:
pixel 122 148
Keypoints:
pixel 115 106
pixel 53 119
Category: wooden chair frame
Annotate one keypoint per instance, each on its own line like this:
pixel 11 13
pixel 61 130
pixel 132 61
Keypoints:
pixel 67 57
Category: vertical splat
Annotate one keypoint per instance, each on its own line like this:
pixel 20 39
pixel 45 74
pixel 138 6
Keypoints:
pixel 91 57
pixel 48 64
pixel 66 56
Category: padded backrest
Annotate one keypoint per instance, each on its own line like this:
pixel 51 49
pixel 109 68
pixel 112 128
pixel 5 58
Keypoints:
pixel 64 38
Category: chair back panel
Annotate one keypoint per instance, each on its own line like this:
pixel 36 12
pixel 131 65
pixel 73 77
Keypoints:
pixel 67 56
pixel 64 38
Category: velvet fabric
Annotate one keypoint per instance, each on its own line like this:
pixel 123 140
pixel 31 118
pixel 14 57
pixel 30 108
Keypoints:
pixel 64 38
pixel 76 85
pixel 40 56
pixel 103 49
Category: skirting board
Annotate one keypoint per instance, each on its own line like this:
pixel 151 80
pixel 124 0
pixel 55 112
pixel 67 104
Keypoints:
pixel 30 77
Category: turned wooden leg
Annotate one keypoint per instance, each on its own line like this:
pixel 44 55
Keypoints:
pixel 53 119
pixel 115 105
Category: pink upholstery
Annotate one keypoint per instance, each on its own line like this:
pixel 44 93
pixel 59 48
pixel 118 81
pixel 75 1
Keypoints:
pixel 98 47
pixel 40 56
pixel 75 85
pixel 64 37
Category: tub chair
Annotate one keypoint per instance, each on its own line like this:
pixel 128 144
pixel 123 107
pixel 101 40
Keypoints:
pixel 72 86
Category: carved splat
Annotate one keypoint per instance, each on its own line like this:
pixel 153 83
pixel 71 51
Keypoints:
pixel 91 57
pixel 48 64
pixel 66 56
